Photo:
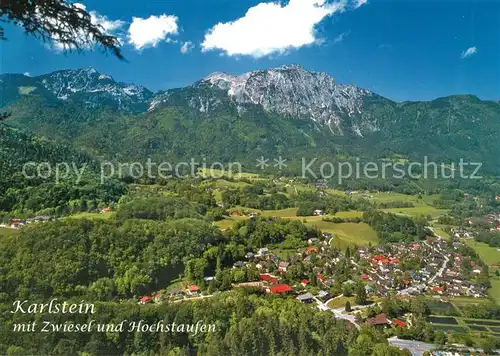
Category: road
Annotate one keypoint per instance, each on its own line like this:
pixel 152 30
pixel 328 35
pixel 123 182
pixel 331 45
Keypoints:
pixel 445 262
pixel 193 298
pixel 338 313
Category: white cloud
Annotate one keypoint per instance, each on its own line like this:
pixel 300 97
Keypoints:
pixel 108 26
pixel 187 47
pixel 341 37
pixel 468 52
pixel 149 32
pixel 269 28
pixel 359 3
pixel 27 74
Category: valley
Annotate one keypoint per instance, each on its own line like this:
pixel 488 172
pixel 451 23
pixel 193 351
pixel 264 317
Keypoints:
pixel 412 258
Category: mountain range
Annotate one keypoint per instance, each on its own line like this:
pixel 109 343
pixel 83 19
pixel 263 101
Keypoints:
pixel 282 111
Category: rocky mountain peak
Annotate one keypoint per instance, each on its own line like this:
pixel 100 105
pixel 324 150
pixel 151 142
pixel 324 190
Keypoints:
pixel 95 88
pixel 295 91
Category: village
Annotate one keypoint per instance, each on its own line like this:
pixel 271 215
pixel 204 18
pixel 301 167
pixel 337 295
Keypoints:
pixel 433 268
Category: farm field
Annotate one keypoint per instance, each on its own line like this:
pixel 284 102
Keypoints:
pixel 482 322
pixel 447 328
pixel 463 325
pixel 442 308
pixel 442 320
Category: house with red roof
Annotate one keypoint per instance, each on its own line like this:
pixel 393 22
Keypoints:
pixel 399 323
pixel 193 289
pixel 268 278
pixel 304 282
pixel 145 300
pixel 439 290
pixel 365 276
pixel 312 250
pixel 279 289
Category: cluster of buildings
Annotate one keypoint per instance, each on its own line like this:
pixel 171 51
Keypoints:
pixel 439 270
pixel 191 290
pixel 18 223
pixel 425 267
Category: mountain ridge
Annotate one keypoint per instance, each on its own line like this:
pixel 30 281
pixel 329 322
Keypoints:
pixel 275 110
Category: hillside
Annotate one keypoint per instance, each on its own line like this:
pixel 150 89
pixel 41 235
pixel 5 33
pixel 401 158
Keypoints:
pixel 42 189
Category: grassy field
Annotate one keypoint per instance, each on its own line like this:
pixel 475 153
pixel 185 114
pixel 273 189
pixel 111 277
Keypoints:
pixel 228 222
pixel 217 173
pixel 348 233
pixel 421 209
pixel 488 254
pixel 290 213
pixel 345 234
pixel 100 216
pixel 349 214
pixel 8 232
pixel 340 302
pixel 494 291
pixel 438 229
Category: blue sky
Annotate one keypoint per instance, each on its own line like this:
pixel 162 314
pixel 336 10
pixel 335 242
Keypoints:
pixel 404 50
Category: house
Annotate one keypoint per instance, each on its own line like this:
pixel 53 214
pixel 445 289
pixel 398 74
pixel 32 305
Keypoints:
pixel 176 292
pixel 318 212
pixel 365 277
pixel 145 300
pixel 306 298
pixel 497 197
pixel 399 323
pixel 239 264
pixel 379 320
pixel 193 289
pixel 250 255
pixel 279 289
pixel 268 278
pixel 304 282
pixel 323 295
pixel 209 279
pixel 106 210
pixel 312 240
pixel 327 235
pixel 283 266
pixel 263 251
pixel 236 213
pixel 439 290
pixel 311 250
pixel 369 289
pixel 157 297
pixel 261 265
